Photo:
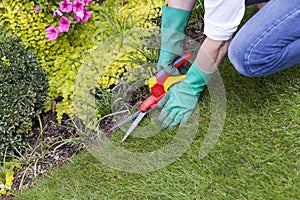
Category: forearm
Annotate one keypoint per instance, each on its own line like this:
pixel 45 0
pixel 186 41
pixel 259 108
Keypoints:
pixel 211 51
pixel 182 4
pixel 260 5
pixel 211 54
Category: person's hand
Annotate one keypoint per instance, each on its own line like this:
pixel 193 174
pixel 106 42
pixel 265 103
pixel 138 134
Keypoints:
pixel 181 99
pixel 174 22
pixel 177 105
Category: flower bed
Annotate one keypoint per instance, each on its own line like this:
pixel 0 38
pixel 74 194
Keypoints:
pixel 61 58
pixel 62 38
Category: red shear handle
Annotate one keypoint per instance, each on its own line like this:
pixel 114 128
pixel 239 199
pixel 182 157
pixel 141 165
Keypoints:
pixel 158 89
pixel 162 75
pixel 182 59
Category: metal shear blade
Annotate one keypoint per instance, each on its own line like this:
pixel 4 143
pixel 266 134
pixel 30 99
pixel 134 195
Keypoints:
pixel 125 121
pixel 139 115
pixel 134 124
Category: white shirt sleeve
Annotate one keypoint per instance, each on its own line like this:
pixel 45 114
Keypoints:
pixel 222 18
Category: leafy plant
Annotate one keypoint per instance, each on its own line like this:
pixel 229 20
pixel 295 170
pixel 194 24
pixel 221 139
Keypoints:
pixel 116 22
pixel 59 57
pixel 44 5
pixel 7 174
pixel 69 14
pixel 33 159
pixel 198 9
pixel 23 90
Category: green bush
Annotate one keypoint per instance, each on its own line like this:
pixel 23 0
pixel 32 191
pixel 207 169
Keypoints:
pixel 23 90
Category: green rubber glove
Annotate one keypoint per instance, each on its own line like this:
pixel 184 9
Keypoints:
pixel 181 99
pixel 173 25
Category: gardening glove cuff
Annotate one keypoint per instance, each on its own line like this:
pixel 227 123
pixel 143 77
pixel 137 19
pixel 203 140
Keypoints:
pixel 174 23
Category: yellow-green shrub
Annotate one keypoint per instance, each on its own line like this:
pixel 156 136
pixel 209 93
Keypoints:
pixel 62 58
pixel 7 175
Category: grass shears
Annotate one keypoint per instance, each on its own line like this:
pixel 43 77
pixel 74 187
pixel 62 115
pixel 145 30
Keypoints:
pixel 159 86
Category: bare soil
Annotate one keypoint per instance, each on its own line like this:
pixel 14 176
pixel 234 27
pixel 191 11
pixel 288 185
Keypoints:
pixel 51 144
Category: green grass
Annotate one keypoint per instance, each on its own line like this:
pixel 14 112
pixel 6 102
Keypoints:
pixel 256 157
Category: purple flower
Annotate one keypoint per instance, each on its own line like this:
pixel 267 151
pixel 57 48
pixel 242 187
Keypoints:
pixel 87 15
pixel 52 33
pixel 87 1
pixel 77 6
pixel 64 24
pixel 57 13
pixel 36 9
pixel 66 6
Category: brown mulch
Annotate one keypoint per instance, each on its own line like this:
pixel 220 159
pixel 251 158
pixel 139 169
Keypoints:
pixel 51 146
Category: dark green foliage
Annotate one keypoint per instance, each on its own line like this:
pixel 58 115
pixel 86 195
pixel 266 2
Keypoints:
pixel 45 5
pixel 23 89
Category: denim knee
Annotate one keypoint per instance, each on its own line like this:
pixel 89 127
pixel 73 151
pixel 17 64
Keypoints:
pixel 254 62
pixel 268 43
pixel 236 55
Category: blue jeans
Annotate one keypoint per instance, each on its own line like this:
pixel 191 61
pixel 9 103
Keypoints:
pixel 269 41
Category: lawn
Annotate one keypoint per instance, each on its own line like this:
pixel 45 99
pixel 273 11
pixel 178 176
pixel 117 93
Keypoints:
pixel 256 157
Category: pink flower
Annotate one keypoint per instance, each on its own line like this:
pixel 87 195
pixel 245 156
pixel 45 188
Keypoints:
pixel 57 13
pixel 87 15
pixel 83 15
pixel 87 1
pixel 36 9
pixel 77 6
pixel 52 33
pixel 64 24
pixel 66 6
pixel 79 15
